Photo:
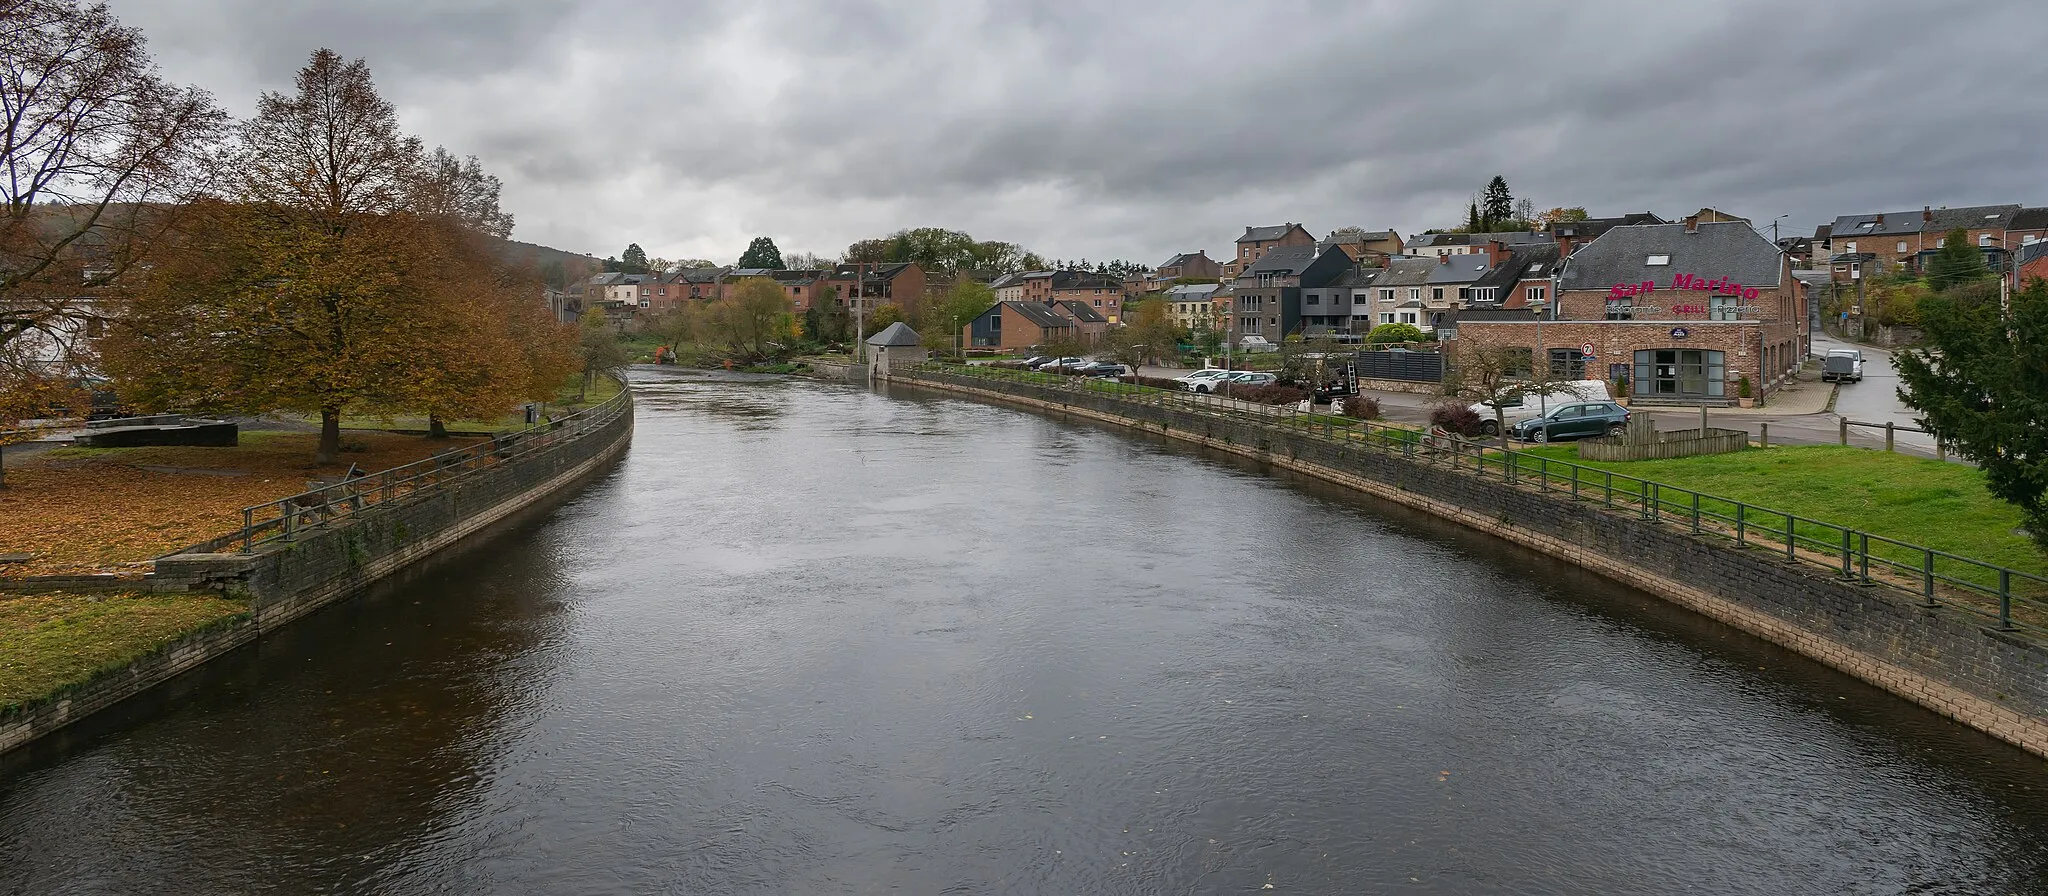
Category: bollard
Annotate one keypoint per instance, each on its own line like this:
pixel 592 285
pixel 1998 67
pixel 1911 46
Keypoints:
pixel 1765 435
pixel 1887 435
pixel 1845 431
pixel 1940 450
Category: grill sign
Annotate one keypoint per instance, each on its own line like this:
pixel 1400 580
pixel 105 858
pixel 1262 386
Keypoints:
pixel 1685 283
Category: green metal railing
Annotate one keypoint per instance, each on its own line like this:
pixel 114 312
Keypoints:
pixel 2010 599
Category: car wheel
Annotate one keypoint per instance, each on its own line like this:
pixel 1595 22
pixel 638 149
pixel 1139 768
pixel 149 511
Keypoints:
pixel 1489 428
pixel 1539 435
pixel 1201 390
pixel 1616 430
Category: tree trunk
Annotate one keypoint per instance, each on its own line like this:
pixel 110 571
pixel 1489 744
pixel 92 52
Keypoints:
pixel 436 427
pixel 583 391
pixel 1500 425
pixel 330 436
pixel 3 466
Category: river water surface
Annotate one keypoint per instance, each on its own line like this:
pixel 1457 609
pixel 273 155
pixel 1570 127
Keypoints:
pixel 812 639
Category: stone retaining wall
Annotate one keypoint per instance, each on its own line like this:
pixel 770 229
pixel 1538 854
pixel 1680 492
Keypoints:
pixel 284 581
pixel 1939 658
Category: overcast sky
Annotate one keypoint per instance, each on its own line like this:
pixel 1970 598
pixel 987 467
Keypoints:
pixel 1140 129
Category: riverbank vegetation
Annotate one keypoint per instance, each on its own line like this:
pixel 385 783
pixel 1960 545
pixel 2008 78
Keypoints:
pixel 52 641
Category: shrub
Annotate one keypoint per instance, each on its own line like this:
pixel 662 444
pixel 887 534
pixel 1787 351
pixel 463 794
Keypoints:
pixel 1392 333
pixel 1361 407
pixel 1742 388
pixel 1454 417
pixel 1268 394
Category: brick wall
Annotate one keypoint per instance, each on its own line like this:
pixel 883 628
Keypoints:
pixel 1941 659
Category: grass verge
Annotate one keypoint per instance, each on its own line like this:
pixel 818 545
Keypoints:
pixel 52 641
pixel 1925 502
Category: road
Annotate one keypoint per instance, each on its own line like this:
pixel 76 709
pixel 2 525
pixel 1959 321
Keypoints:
pixel 1875 400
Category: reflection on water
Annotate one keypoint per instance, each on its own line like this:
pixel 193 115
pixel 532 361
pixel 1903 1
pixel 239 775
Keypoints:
pixel 808 638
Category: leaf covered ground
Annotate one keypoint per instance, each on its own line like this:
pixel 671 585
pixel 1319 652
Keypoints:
pixel 80 510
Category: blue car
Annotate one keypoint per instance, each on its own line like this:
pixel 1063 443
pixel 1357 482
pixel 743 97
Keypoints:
pixel 1578 420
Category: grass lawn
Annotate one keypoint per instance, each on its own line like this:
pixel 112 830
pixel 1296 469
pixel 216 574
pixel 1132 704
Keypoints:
pixel 49 641
pixel 1925 502
pixel 113 509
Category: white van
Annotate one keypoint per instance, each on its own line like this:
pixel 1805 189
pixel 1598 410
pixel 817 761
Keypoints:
pixel 1534 405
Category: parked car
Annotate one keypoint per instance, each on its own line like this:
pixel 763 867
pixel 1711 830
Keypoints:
pixel 1063 365
pixel 1255 345
pixel 1036 361
pixel 1577 420
pixel 1108 371
pixel 1535 405
pixel 1842 365
pixel 1203 380
pixel 1245 378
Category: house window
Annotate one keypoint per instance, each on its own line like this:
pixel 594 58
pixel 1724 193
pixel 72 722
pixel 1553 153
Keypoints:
pixel 1535 294
pixel 1621 309
pixel 1852 246
pixel 1694 373
pixel 1386 295
pixel 1983 239
pixel 1315 298
pixel 1902 247
pixel 1487 294
pixel 1567 363
pixel 1720 307
pixel 1098 303
pixel 1436 293
pixel 1407 317
pixel 1414 293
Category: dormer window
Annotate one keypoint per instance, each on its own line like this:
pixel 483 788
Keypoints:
pixel 1657 260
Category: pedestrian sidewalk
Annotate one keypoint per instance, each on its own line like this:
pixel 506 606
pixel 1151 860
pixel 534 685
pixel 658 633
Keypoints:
pixel 1796 399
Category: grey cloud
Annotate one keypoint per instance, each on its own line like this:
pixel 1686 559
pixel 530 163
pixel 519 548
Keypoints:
pixel 1144 128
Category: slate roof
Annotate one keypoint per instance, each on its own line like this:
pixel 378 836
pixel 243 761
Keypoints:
pixel 1821 233
pixel 1083 313
pixel 1282 260
pixel 1459 269
pixel 1182 259
pixel 874 271
pixel 1271 232
pixel 1621 255
pixel 2030 219
pixel 704 275
pixel 1406 272
pixel 1494 314
pixel 896 334
pixel 1007 280
pixel 1532 262
pixel 1355 277
pixel 1506 238
pixel 1193 292
pixel 1944 220
pixel 1040 314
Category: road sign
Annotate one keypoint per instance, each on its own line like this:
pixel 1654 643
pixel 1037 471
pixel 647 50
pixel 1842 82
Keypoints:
pixel 1587 351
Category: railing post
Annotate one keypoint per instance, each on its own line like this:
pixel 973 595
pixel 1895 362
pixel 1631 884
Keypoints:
pixel 1863 556
pixel 2005 600
pixel 1741 523
pixel 248 528
pixel 1791 540
pixel 291 517
pixel 1653 502
pixel 1927 576
pixel 1609 475
pixel 1847 572
pixel 1575 482
pixel 1695 513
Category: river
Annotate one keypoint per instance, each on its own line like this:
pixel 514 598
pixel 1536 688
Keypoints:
pixel 808 638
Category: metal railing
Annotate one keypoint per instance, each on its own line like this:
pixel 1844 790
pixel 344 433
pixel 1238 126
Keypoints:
pixel 285 518
pixel 2012 599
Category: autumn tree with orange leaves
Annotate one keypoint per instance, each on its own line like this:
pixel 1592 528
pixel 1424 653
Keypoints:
pixel 346 271
pixel 97 154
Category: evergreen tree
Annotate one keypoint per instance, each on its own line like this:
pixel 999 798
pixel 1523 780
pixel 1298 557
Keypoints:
pixel 761 253
pixel 1472 222
pixel 1496 204
pixel 633 260
pixel 1956 262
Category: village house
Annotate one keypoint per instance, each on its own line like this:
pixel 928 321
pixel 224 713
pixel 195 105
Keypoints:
pixel 1685 312
pixel 1103 292
pixel 1397 292
pixel 1569 235
pixel 1257 241
pixel 1876 244
pixel 870 286
pixel 1193 305
pixel 1195 264
pixel 1342 303
pixel 1371 247
pixel 1016 326
pixel 1433 245
pixel 1268 293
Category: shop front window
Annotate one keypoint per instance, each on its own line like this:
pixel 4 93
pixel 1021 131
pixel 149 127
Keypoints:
pixel 1679 373
pixel 1567 364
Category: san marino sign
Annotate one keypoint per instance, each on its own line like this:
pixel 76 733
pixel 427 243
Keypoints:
pixel 1685 282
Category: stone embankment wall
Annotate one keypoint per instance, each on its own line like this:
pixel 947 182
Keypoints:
pixel 1940 658
pixel 285 580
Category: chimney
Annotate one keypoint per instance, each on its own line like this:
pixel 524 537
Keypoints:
pixel 1880 220
pixel 1927 214
pixel 1495 252
pixel 1692 223
pixel 1443 259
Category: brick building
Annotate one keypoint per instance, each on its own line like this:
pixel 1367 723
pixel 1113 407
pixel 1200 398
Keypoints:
pixel 1684 311
pixel 1014 326
pixel 1874 244
pixel 1257 241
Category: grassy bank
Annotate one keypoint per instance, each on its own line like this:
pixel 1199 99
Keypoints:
pixel 1926 502
pixel 52 641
